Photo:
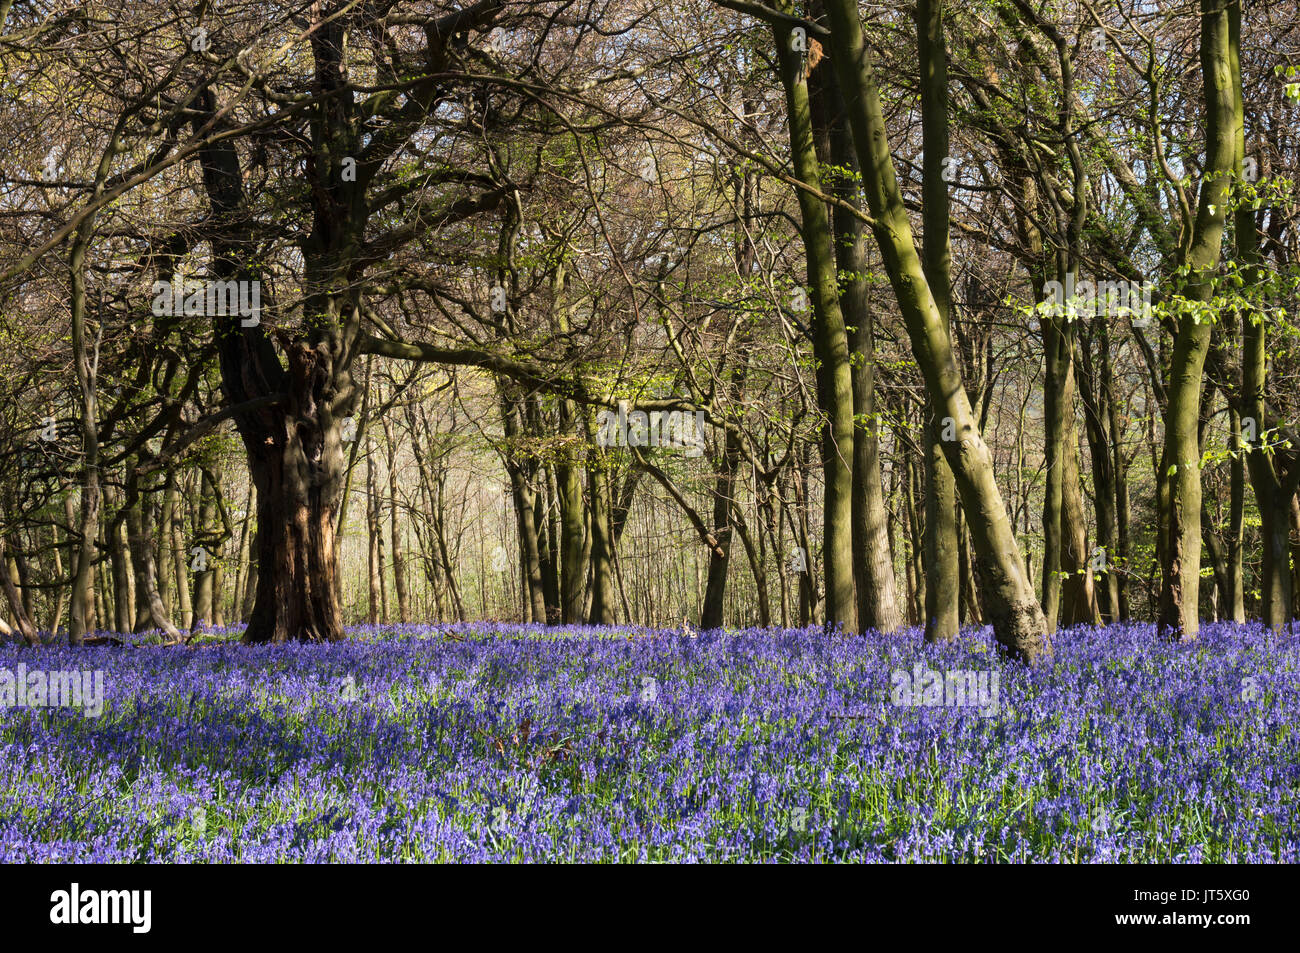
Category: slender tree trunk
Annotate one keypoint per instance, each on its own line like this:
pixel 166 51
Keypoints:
pixel 163 545
pixel 878 606
pixel 942 552
pixel 140 537
pixel 916 559
pixel 830 338
pixel 85 357
pixel 244 585
pixel 219 595
pixel 1272 488
pixel 123 596
pixel 440 531
pixel 143 610
pixel 1235 596
pixel 873 561
pixel 249 598
pixel 568 481
pixel 972 608
pixel 1180 466
pixel 548 545
pixel 56 556
pixel 772 529
pixel 180 556
pixel 395 530
pixel 1058 340
pixel 205 578
pixel 1078 592
pixel 1121 494
pixel 715 588
pixel 799 530
pixel 522 496
pixel 602 541
pixel 374 541
pixel 1099 435
pixel 757 567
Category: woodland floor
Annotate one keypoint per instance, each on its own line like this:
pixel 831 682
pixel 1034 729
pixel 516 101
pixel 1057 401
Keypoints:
pixel 514 743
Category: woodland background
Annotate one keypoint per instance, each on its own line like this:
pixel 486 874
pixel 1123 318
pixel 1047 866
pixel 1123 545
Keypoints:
pixel 477 227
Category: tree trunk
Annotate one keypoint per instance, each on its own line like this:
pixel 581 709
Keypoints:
pixel 942 552
pixel 249 597
pixel 123 596
pixel 1180 465
pixel 246 569
pixel 1120 469
pixel 1078 592
pixel 568 482
pixel 522 495
pixel 1272 488
pixel 830 339
pixel 548 545
pixel 1009 601
pixel 56 556
pixel 85 364
pixel 141 539
pixel 602 542
pixel 1235 596
pixel 179 563
pixel 395 530
pixel 374 542
pixel 916 558
pixel 1096 394
pixel 205 577
pixel 799 530
pixel 1058 339
pixel 297 481
pixel 873 561
pixel 715 588
pixel 22 621
pixel 292 421
pixel 440 532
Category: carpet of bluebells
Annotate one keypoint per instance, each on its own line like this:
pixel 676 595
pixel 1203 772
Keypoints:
pixel 512 743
